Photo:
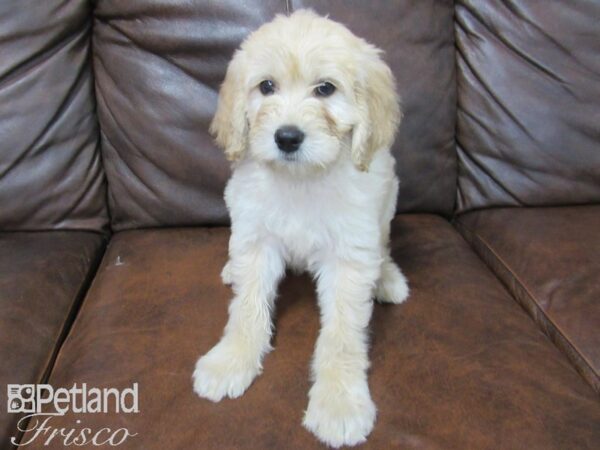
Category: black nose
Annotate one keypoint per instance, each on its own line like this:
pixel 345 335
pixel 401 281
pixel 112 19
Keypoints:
pixel 289 138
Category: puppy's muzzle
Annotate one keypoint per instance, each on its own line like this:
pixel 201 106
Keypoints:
pixel 288 138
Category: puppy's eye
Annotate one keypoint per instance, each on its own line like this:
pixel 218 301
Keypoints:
pixel 324 89
pixel 267 87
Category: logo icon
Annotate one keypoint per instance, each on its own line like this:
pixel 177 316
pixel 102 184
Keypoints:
pixel 21 398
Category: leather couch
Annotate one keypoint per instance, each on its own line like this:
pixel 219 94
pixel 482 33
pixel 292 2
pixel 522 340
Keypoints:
pixel 114 230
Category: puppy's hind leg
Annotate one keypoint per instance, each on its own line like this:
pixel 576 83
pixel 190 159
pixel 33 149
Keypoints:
pixel 226 276
pixel 392 286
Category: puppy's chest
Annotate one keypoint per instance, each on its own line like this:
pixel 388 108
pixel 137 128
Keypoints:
pixel 303 221
pixel 305 217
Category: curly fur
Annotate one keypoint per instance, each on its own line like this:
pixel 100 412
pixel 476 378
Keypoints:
pixel 325 208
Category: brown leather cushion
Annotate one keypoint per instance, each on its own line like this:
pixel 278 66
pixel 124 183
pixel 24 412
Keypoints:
pixel 50 170
pixel 528 98
pixel 158 66
pixel 42 276
pixel 550 260
pixel 460 365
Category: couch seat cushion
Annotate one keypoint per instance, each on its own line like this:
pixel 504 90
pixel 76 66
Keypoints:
pixel 460 365
pixel 42 278
pixel 549 258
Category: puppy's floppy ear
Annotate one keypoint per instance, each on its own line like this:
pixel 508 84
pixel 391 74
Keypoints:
pixel 229 125
pixel 378 107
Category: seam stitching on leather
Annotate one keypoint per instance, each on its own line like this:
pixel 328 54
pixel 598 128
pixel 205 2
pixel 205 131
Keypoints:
pixel 531 296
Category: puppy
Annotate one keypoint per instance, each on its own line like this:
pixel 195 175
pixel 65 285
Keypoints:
pixel 307 113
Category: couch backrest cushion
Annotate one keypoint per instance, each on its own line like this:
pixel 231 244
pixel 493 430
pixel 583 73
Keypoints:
pixel 50 170
pixel 528 129
pixel 158 68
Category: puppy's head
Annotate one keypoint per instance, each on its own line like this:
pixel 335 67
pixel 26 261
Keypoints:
pixel 302 90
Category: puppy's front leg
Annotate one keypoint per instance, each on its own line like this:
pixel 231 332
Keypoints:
pixel 231 365
pixel 340 410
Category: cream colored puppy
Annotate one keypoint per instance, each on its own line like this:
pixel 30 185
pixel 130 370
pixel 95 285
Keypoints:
pixel 307 113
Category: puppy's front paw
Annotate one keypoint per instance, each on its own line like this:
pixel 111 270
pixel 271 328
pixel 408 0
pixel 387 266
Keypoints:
pixel 224 372
pixel 338 415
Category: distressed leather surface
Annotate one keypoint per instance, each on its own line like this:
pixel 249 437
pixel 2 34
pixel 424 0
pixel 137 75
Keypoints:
pixel 549 260
pixel 43 276
pixel 460 365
